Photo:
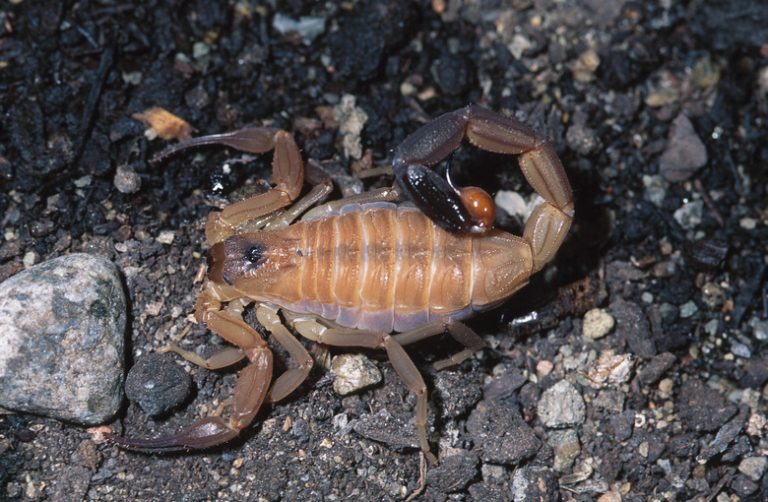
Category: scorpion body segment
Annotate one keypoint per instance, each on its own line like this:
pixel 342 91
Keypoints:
pixel 375 267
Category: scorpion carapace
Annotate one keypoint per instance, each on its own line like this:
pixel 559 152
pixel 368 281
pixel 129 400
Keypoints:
pixel 362 271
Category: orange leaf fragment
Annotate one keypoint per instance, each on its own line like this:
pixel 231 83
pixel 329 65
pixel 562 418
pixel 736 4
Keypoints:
pixel 164 125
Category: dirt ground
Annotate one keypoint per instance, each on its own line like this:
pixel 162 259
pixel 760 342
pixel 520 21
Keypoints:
pixel 658 110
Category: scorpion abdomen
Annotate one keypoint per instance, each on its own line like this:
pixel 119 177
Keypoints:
pixel 378 267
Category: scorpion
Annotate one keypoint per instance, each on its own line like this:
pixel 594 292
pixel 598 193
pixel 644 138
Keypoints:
pixel 363 271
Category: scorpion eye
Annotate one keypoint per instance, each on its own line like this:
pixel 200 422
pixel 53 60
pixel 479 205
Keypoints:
pixel 255 254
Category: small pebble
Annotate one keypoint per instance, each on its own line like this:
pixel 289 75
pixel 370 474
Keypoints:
pixel 753 467
pixel 741 350
pixel 666 385
pixel 512 202
pixel 561 406
pixel 566 447
pixel 166 237
pixel 597 323
pixel 157 383
pixel 712 295
pixel 655 189
pixel 544 367
pixel 685 153
pixel 307 27
pixel 126 179
pixel 689 215
pixel 760 330
pixel 583 69
pixel 688 309
pixel 351 120
pixel 748 223
pixel 29 260
pixel 353 372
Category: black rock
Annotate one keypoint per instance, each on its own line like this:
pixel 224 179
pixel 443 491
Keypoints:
pixel 157 384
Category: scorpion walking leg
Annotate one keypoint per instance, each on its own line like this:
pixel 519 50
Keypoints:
pixel 401 362
pixel 250 390
pixel 322 186
pixel 292 378
pixel 288 175
pixel 460 332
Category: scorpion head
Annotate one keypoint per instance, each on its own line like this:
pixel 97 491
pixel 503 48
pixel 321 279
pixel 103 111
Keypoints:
pixel 234 258
pixel 250 262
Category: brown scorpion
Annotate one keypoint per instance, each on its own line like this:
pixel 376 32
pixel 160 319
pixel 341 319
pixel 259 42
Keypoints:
pixel 363 271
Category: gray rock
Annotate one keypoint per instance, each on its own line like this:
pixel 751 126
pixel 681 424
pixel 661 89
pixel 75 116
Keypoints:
pixel 566 446
pixel 353 372
pixel 157 384
pixel 502 435
pixel 632 326
pixel 62 327
pixel 753 467
pixel 532 484
pixel 702 408
pixel 656 367
pixel 561 406
pixel 685 153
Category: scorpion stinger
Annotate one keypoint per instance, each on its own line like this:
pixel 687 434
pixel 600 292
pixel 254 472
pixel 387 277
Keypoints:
pixel 489 131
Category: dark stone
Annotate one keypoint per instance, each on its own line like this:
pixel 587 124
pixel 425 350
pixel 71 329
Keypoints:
pixel 632 325
pixel 725 435
pixel 729 25
pixel 157 383
pixel 755 373
pixel 454 472
pixel 743 486
pixel 501 434
pixel 655 368
pixel 385 428
pixel 451 73
pixel 503 386
pixel 702 408
pixel 359 45
pixel 684 445
pixel 620 426
pixel 707 254
pixel 457 391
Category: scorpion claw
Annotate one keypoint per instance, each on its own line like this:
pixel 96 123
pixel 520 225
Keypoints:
pixel 203 434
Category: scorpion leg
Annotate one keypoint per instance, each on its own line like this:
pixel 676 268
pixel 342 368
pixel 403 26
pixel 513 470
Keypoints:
pixel 250 390
pixel 321 187
pixel 401 362
pixel 459 331
pixel 495 133
pixel 292 378
pixel 288 175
